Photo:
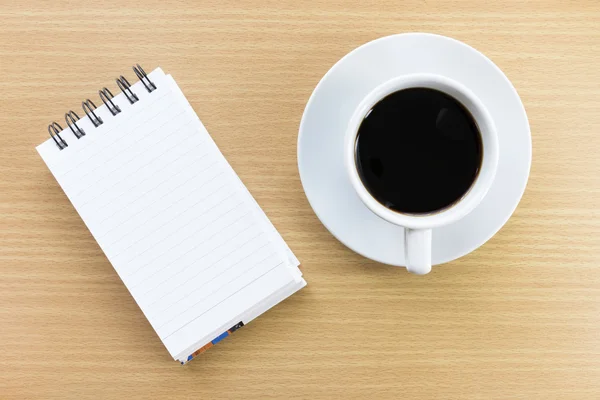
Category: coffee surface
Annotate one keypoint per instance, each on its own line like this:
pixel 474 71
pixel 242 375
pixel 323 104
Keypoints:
pixel 418 151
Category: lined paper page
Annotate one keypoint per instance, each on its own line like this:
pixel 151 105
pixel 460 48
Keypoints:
pixel 168 211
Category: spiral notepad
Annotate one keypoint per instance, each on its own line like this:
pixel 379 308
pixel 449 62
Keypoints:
pixel 187 239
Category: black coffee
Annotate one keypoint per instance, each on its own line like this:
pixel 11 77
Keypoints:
pixel 418 150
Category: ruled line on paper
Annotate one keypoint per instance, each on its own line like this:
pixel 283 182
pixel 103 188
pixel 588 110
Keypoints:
pixel 177 273
pixel 189 222
pixel 109 200
pixel 173 210
pixel 155 201
pixel 187 268
pixel 107 173
pixel 189 250
pixel 254 251
pixel 163 338
pixel 214 291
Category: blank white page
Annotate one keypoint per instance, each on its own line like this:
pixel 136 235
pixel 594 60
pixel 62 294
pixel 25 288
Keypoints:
pixel 167 210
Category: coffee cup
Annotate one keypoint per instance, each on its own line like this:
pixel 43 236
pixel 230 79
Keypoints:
pixel 429 144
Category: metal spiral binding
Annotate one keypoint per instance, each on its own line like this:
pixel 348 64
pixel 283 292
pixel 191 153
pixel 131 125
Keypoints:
pixel 54 130
pixel 125 87
pixel 141 74
pixel 71 117
pixel 88 107
pixel 106 96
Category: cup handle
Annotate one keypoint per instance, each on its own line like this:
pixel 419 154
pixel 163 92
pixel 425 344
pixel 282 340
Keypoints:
pixel 417 250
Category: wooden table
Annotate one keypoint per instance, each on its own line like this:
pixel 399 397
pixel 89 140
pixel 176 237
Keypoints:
pixel 519 318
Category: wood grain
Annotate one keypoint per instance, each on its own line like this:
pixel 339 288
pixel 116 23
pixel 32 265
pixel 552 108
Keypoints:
pixel 519 318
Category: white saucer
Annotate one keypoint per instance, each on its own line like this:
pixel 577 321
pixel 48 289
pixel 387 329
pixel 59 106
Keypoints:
pixel 320 144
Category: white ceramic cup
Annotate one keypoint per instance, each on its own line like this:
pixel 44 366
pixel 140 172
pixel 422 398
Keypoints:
pixel 417 227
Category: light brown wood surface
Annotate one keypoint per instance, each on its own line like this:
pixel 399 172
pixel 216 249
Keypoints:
pixel 519 318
